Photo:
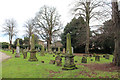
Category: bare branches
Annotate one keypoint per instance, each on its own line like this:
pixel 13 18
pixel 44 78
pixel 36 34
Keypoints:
pixel 10 29
pixel 47 22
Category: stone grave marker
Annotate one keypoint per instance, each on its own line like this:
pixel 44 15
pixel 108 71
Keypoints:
pixel 84 59
pixel 97 58
pixel 33 51
pixel 17 49
pixel 69 57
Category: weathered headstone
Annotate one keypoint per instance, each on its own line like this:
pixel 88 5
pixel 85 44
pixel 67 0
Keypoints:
pixel 24 54
pixel 42 51
pixel 97 58
pixel 84 60
pixel 58 60
pixel 17 49
pixel 33 51
pixel 63 50
pixel 72 50
pixel 69 57
pixel 107 56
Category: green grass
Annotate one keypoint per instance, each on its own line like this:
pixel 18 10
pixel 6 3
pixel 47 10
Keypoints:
pixel 22 68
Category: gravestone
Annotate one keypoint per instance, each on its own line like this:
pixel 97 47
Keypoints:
pixel 17 49
pixel 107 56
pixel 72 50
pixel 63 50
pixel 97 58
pixel 69 57
pixel 54 51
pixel 58 52
pixel 58 60
pixel 33 51
pixel 24 54
pixel 84 59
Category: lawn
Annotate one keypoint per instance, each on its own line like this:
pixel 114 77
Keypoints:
pixel 22 68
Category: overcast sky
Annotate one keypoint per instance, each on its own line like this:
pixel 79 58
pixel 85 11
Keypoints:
pixel 22 10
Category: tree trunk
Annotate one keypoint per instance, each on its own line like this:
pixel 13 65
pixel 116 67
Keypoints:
pixel 29 43
pixel 49 43
pixel 87 40
pixel 116 21
pixel 87 28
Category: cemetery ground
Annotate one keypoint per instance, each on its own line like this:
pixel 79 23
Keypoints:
pixel 22 68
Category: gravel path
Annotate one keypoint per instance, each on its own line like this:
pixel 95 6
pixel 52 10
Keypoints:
pixel 3 56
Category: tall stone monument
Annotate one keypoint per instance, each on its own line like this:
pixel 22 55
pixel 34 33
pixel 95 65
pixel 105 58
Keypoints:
pixel 17 49
pixel 69 57
pixel 33 51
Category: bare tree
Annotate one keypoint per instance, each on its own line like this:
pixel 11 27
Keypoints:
pixel 29 25
pixel 89 10
pixel 48 24
pixel 116 26
pixel 10 29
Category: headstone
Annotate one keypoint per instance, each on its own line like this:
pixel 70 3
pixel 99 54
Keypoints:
pixel 72 50
pixel 17 49
pixel 63 50
pixel 97 58
pixel 58 60
pixel 84 60
pixel 107 56
pixel 24 54
pixel 69 57
pixel 33 51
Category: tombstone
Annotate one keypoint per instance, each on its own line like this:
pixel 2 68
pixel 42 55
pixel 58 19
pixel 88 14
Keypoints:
pixel 58 60
pixel 24 54
pixel 69 57
pixel 72 50
pixel 52 62
pixel 33 51
pixel 107 56
pixel 84 60
pixel 13 51
pixel 54 51
pixel 17 49
pixel 97 58
pixel 63 50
